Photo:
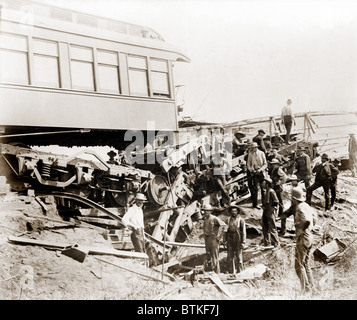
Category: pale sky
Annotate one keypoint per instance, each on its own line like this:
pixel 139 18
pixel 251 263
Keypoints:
pixel 248 57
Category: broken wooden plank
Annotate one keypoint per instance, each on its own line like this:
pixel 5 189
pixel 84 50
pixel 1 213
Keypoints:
pixel 218 282
pixel 133 271
pixel 41 203
pixel 174 262
pixel 50 219
pixel 117 253
pixel 185 244
pixel 91 250
pixel 43 243
pixel 101 221
pixel 83 224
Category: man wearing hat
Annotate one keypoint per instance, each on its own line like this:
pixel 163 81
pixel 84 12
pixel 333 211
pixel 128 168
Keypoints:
pixel 267 143
pixel 325 171
pixel 238 146
pixel 134 220
pixel 221 168
pixel 213 228
pixel 304 220
pixel 276 140
pixel 259 139
pixel 270 212
pixel 293 179
pixel 278 177
pixel 302 166
pixel 256 166
pixel 235 237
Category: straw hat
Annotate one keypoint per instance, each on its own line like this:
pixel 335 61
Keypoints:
pixel 141 197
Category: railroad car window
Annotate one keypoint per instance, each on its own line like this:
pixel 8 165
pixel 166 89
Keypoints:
pixel 82 75
pixel 160 78
pixel 116 26
pixel 13 59
pixel 108 71
pixel 138 80
pixel 60 14
pixel 46 70
pixel 87 20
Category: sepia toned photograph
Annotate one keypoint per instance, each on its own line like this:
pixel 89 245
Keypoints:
pixel 196 151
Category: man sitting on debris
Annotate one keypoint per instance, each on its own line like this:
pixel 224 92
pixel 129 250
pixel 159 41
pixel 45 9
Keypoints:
pixel 134 220
pixel 256 166
pixel 238 146
pixel 304 218
pixel 277 141
pixel 324 173
pixel 213 228
pixel 235 237
pixel 271 204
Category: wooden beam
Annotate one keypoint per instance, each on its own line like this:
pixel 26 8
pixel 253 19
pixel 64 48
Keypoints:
pixel 91 250
pixel 117 253
pixel 218 282
pixel 43 243
pixel 133 271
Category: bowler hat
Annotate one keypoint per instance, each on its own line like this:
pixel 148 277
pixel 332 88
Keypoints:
pixel 324 156
pixel 239 133
pixel 298 194
pixel 275 161
pixel 261 131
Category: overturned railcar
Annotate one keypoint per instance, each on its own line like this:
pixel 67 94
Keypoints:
pixel 69 78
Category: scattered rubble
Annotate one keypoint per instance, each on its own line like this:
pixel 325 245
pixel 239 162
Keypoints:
pixel 61 254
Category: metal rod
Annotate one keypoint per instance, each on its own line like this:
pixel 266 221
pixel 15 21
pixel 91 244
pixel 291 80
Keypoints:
pixel 44 133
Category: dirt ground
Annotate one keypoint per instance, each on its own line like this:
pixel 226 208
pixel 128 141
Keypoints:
pixel 29 272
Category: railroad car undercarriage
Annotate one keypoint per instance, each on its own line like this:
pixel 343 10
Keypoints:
pixel 176 187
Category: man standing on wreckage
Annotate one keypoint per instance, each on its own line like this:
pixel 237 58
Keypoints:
pixel 304 220
pixel 235 238
pixel 134 220
pixel 213 228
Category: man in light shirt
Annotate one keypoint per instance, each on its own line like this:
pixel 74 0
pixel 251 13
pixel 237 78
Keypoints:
pixel 134 220
pixel 287 119
pixel 304 217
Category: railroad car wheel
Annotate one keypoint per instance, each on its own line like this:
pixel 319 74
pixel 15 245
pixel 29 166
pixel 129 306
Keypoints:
pixel 158 190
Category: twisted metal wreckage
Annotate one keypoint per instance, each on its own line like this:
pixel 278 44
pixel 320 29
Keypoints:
pixel 176 184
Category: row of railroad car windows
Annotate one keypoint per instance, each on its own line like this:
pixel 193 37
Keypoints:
pixel 14 67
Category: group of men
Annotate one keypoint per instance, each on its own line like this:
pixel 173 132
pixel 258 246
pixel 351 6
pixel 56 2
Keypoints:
pixel 266 172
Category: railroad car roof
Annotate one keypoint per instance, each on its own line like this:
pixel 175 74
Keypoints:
pixel 52 17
